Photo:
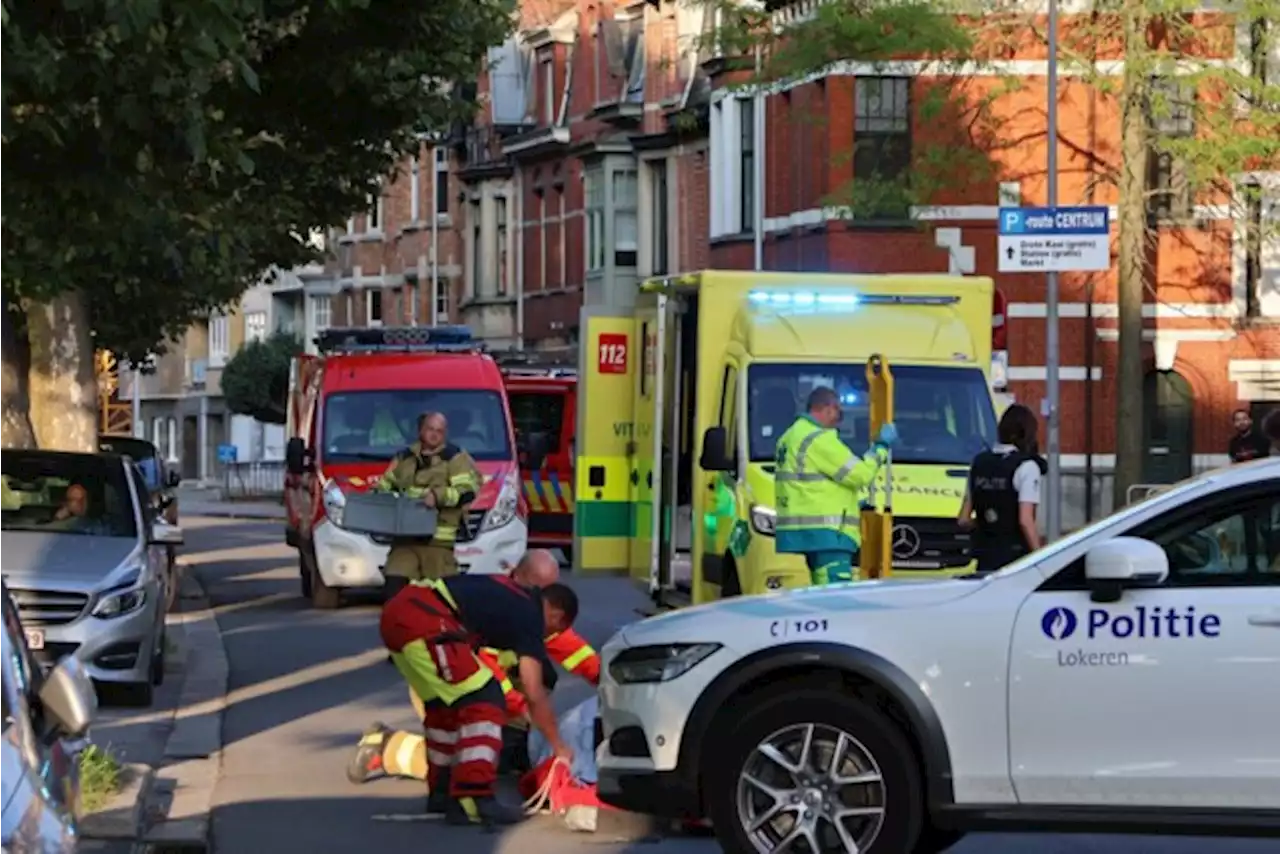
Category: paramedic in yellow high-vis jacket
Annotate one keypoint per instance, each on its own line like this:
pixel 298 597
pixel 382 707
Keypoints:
pixel 818 483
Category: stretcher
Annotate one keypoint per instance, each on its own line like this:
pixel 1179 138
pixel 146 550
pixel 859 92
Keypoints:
pixel 876 558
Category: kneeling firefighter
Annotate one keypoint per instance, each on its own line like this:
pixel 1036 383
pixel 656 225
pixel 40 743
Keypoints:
pixel 818 481
pixel 433 630
pixel 399 753
pixel 1003 492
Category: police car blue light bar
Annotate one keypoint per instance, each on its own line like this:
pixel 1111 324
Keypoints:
pixel 842 299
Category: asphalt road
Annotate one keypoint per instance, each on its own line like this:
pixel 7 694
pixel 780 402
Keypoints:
pixel 305 683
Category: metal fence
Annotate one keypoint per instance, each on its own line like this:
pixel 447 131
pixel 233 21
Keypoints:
pixel 252 480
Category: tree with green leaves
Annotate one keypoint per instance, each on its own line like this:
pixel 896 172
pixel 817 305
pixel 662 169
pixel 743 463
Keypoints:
pixel 1199 105
pixel 160 157
pixel 255 381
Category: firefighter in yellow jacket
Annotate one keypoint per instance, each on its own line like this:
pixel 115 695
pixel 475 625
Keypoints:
pixel 446 478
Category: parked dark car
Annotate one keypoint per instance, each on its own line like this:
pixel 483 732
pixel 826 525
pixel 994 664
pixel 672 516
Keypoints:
pixel 161 480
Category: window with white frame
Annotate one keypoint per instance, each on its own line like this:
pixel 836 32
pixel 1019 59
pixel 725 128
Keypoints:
pixel 500 238
pixel 171 434
pixel 373 307
pixel 442 301
pixel 626 226
pixel 731 177
pixel 659 218
pixel 882 142
pixel 321 312
pixel 373 220
pixel 747 165
pixel 477 250
pixel 441 159
pixel 158 436
pixel 543 225
pixel 563 229
pixel 219 339
pixel 415 191
pixel 255 326
pixel 595 219
pixel 351 309
pixel 548 92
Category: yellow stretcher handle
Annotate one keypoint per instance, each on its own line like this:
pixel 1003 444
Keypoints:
pixel 877 521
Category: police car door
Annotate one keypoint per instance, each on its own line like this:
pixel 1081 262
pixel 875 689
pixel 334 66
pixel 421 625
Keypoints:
pixel 1167 696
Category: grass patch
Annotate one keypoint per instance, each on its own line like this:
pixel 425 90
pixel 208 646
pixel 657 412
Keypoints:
pixel 99 778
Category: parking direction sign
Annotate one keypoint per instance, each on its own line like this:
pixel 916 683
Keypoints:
pixel 1055 240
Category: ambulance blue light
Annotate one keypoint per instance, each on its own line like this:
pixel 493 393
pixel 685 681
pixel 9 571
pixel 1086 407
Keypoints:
pixel 804 299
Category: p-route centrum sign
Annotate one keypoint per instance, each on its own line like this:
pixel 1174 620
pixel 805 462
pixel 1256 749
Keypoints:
pixel 1055 240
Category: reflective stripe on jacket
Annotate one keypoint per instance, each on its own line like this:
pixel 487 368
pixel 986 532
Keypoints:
pixel 817 482
pixel 575 655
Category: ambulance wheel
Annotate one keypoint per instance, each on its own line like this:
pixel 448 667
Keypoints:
pixel 818 765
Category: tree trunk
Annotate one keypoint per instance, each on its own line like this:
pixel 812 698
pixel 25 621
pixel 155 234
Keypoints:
pixel 15 402
pixel 63 377
pixel 1135 132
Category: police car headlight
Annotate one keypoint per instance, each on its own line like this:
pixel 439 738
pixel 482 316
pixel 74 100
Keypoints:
pixel 504 509
pixel 764 519
pixel 641 664
pixel 335 500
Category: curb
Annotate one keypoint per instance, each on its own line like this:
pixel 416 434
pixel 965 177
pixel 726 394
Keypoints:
pixel 122 815
pixel 182 792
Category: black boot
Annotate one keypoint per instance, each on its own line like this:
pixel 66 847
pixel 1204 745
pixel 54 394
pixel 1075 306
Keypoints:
pixel 487 811
pixel 438 799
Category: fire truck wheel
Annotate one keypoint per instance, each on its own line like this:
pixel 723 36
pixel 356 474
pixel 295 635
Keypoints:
pixel 323 597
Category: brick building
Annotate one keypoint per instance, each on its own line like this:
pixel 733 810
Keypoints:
pixel 400 262
pixel 1213 309
pixel 587 169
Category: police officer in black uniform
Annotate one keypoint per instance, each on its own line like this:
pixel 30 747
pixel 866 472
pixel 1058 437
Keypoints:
pixel 1003 492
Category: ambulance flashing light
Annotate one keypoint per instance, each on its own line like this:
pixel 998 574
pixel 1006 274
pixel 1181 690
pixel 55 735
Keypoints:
pixel 842 299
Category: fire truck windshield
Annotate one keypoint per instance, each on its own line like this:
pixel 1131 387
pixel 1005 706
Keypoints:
pixel 943 415
pixel 373 426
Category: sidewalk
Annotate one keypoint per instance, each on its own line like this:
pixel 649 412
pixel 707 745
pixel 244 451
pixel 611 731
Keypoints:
pixel 171 752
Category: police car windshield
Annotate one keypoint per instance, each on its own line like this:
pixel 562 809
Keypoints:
pixel 370 426
pixel 944 415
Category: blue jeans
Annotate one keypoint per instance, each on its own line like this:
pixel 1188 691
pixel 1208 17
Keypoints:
pixel 830 567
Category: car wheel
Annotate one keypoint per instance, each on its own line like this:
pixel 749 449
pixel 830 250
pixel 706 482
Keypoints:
pixel 935 840
pixel 304 574
pixel 158 660
pixel 323 597
pixel 818 771
pixel 171 581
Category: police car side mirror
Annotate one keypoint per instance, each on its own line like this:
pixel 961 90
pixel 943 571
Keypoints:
pixel 715 450
pixel 1124 562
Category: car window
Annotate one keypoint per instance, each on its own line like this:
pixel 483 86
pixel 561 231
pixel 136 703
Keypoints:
pixel 84 494
pixel 1229 539
pixel 538 412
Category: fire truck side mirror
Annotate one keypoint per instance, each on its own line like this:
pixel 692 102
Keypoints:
pixel 533 449
pixel 296 459
pixel 715 450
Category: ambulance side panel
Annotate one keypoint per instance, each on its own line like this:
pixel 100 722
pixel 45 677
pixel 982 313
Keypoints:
pixel 604 519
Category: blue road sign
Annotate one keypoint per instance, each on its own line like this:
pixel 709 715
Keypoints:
pixel 227 453
pixel 1063 239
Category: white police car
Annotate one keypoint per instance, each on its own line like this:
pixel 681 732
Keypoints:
pixel 1126 678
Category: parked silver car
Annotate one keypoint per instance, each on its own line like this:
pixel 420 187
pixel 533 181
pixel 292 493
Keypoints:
pixel 84 556
pixel 45 721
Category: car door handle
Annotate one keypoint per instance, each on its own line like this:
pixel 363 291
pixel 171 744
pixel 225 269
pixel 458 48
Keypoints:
pixel 1272 619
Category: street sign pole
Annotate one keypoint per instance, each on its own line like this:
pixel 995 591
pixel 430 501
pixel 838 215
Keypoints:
pixel 1053 505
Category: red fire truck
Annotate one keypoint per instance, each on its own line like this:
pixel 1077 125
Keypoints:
pixel 542 395
pixel 356 405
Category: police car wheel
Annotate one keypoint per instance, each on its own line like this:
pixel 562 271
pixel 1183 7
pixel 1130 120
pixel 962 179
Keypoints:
pixel 816 771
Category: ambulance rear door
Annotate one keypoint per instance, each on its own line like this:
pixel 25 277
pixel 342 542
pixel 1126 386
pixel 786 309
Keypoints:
pixel 604 470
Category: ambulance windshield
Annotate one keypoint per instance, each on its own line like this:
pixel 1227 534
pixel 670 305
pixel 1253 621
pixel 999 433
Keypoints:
pixel 373 426
pixel 944 415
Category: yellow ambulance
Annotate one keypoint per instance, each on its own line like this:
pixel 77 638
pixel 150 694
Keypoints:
pixel 682 400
